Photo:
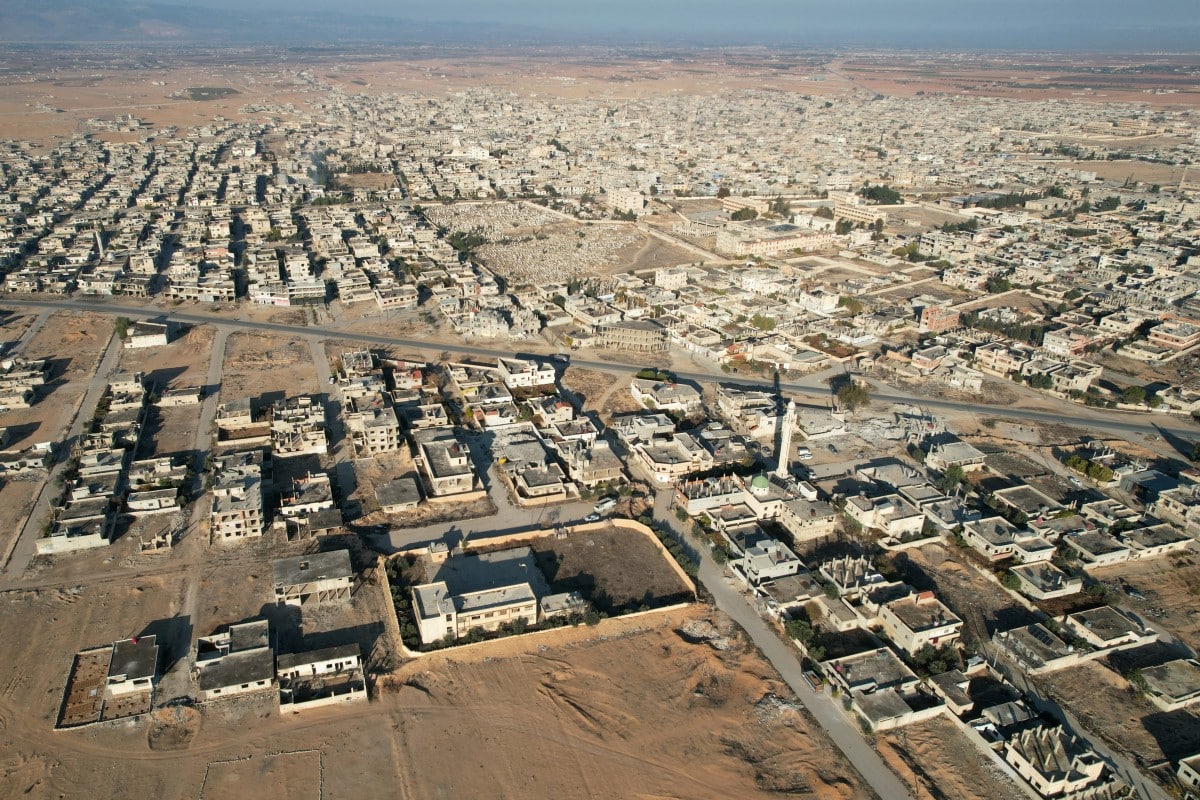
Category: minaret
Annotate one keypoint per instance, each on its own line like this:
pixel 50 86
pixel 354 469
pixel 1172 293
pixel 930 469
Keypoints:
pixel 785 440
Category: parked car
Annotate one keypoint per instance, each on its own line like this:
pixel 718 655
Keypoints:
pixel 593 517
pixel 606 504
pixel 804 454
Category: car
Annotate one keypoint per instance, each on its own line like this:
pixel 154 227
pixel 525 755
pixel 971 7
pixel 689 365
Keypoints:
pixel 1075 481
pixel 593 517
pixel 605 504
pixel 831 449
pixel 804 454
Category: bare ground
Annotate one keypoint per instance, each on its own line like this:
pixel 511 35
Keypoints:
pixel 1107 706
pixel 937 761
pixel 256 365
pixel 1171 587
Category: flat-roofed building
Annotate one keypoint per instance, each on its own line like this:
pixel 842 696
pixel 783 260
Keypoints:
pixel 313 579
pixel 322 677
pixel 443 462
pixel 133 667
pixel 1173 685
pixel 919 620
pixel 236 661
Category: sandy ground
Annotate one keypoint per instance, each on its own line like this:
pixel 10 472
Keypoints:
pixel 256 364
pixel 182 362
pixel 613 568
pixel 937 761
pixel 1172 591
pixel 1107 706
pixel 14 326
pixel 626 710
pixel 72 342
pixel 596 388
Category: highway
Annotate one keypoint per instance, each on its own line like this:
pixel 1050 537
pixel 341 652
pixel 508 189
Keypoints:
pixel 1120 424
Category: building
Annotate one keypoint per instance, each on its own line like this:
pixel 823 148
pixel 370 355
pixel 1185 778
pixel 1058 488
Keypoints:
pixel 664 395
pixel 1173 685
pixel 522 373
pixel 236 661
pixel 486 591
pixel 322 677
pixel 401 494
pixel 313 579
pixel 237 506
pixel 443 462
pixel 1053 761
pixel 767 560
pixel 372 423
pixel 919 620
pixel 636 335
pixel 147 334
pixel 133 667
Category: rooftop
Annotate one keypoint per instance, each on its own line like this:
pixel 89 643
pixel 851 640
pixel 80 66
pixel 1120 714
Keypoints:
pixel 313 567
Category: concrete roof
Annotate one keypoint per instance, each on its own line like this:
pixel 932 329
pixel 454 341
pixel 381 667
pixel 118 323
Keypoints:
pixel 134 658
pixel 315 566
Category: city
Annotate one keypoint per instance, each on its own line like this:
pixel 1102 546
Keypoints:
pixel 675 424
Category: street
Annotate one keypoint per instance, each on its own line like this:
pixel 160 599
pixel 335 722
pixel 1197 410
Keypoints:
pixel 786 660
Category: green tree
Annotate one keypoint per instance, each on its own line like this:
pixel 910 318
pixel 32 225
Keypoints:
pixel 1133 394
pixel 851 304
pixel 762 322
pixel 853 396
pixel 744 215
pixel 121 326
pixel 723 192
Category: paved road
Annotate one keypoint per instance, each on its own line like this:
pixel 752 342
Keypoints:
pixel 786 660
pixel 1118 424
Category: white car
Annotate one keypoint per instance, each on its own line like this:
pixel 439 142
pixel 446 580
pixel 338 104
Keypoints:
pixel 804 454
pixel 606 504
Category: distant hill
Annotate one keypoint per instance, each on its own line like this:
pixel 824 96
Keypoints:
pixel 85 21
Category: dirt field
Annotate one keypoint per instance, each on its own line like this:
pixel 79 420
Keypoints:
pixel 563 715
pixel 567 714
pixel 1107 706
pixel 256 365
pixel 1171 587
pixel 982 605
pixel 72 343
pixel 599 391
pixel 183 362
pixel 612 568
pixel 14 326
pixel 935 759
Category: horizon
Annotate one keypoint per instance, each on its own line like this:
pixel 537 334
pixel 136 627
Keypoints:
pixel 1156 26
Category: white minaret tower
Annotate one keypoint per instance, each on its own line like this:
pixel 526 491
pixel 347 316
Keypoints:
pixel 785 440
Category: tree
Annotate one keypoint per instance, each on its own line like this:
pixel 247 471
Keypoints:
pixel 121 325
pixel 850 304
pixel 744 215
pixel 763 323
pixel 854 395
pixel 843 226
pixel 824 212
pixel 883 195
pixel 951 479
pixel 1133 394
pixel 723 192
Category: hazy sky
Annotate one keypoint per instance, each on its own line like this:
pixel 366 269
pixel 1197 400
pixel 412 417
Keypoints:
pixel 1000 24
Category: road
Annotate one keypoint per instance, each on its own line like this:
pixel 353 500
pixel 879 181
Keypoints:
pixel 1115 423
pixel 786 660
pixel 23 547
